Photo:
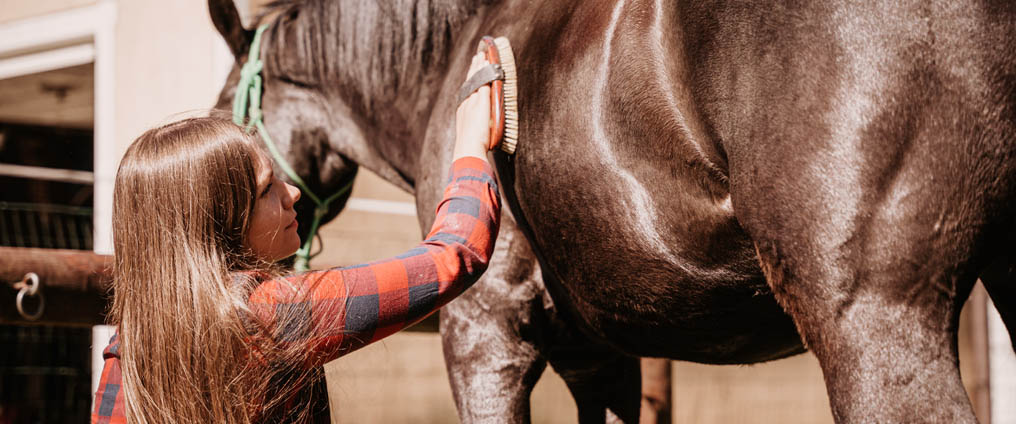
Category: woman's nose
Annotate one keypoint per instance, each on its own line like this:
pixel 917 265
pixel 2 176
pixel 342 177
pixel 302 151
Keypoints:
pixel 294 194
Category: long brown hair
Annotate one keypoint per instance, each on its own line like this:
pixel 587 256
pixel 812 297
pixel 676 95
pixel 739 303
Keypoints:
pixel 183 197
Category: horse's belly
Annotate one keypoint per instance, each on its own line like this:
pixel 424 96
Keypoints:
pixel 648 306
pixel 728 324
pixel 653 267
pixel 636 237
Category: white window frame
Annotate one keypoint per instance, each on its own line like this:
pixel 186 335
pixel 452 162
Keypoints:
pixel 60 40
pixel 70 38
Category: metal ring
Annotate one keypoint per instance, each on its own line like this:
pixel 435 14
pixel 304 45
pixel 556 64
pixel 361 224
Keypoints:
pixel 32 290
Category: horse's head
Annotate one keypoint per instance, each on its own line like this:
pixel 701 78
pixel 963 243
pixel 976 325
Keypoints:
pixel 302 124
pixel 349 83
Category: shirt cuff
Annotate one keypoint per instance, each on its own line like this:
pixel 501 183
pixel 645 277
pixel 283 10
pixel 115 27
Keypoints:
pixel 472 162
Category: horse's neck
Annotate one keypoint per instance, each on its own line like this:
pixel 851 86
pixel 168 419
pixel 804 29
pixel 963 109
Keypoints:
pixel 384 58
pixel 394 126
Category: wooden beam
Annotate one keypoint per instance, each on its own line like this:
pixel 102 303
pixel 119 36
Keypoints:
pixel 75 270
pixel 74 283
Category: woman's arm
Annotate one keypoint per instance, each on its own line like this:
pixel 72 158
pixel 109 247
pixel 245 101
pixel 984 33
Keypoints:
pixel 340 310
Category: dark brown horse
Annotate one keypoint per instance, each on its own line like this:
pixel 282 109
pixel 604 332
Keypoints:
pixel 719 182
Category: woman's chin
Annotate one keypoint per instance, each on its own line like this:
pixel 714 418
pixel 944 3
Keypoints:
pixel 295 247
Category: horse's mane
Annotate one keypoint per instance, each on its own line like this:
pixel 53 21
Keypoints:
pixel 369 48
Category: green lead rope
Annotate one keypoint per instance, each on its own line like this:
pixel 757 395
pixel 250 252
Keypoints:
pixel 247 102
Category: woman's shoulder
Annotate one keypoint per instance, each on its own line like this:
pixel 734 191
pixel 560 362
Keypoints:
pixel 112 350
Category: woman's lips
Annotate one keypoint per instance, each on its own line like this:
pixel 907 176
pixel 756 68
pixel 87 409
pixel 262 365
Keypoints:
pixel 292 224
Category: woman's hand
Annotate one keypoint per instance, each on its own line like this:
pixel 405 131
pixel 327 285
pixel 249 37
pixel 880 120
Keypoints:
pixel 472 119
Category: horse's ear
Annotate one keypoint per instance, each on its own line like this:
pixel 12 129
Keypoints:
pixel 227 21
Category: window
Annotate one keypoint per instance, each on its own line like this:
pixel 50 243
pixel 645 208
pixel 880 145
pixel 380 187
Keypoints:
pixel 46 159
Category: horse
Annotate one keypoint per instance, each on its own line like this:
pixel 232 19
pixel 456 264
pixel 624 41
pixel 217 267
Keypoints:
pixel 718 182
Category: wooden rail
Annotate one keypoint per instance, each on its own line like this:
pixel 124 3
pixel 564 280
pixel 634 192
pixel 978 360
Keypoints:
pixel 74 284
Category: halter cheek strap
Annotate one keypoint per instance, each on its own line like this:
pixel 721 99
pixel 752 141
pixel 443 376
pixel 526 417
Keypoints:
pixel 247 103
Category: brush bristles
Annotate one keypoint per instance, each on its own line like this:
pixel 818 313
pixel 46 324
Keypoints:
pixel 511 95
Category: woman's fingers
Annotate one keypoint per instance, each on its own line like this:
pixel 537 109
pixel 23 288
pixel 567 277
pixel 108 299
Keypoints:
pixel 473 116
pixel 478 61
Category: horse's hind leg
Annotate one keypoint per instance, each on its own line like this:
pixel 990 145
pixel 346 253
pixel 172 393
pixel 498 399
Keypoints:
pixel 492 336
pixel 605 384
pixel 656 391
pixel 874 270
pixel 883 326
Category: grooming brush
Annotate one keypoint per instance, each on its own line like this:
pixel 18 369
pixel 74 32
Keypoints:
pixel 504 94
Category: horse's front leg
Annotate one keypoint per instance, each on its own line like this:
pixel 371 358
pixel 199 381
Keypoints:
pixel 492 336
pixel 499 335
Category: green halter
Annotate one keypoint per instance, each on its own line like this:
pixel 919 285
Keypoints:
pixel 248 92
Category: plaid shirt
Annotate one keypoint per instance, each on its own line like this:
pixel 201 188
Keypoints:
pixel 336 311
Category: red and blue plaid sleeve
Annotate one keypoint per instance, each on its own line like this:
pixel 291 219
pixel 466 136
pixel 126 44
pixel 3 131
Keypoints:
pixel 109 402
pixel 340 310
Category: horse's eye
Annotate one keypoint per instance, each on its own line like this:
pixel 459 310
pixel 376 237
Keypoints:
pixel 301 84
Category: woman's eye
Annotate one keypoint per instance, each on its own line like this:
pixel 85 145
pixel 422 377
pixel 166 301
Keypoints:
pixel 267 188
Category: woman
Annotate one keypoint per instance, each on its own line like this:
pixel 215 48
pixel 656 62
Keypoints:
pixel 210 329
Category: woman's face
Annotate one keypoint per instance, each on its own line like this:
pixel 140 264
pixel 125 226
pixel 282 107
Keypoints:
pixel 271 235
